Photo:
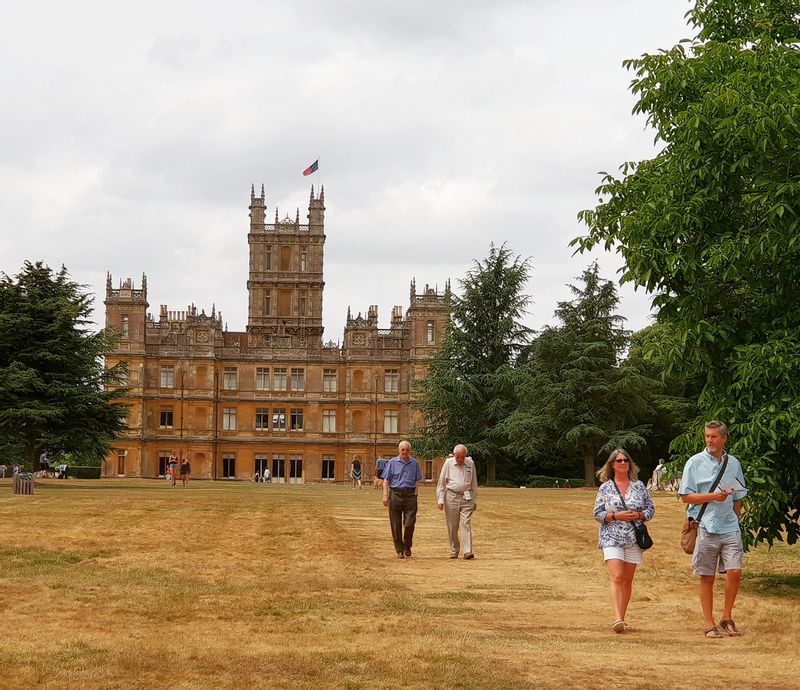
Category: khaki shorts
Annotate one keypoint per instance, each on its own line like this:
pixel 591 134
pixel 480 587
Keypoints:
pixel 714 552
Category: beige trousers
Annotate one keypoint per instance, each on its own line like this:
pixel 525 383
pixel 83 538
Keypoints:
pixel 458 515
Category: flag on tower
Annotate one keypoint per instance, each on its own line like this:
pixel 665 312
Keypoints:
pixel 311 168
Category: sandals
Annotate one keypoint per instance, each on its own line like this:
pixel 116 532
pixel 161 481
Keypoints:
pixel 712 633
pixel 729 627
pixel 619 626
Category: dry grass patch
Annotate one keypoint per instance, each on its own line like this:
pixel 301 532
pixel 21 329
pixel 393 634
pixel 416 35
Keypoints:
pixel 136 584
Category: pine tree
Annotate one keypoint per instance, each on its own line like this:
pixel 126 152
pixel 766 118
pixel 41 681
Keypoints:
pixel 52 377
pixel 469 389
pixel 575 398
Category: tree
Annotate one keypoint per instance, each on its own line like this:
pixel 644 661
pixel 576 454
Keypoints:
pixel 574 397
pixel 52 377
pixel 470 383
pixel 710 227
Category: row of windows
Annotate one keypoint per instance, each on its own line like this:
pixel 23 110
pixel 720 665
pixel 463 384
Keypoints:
pixel 277 467
pixel 279 419
pixel 282 379
pixel 284 303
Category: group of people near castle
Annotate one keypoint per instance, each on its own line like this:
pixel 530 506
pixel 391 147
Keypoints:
pixel 712 486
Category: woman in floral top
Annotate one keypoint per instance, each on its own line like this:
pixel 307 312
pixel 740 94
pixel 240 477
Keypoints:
pixel 617 538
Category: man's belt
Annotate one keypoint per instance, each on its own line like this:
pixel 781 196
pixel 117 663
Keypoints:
pixel 404 491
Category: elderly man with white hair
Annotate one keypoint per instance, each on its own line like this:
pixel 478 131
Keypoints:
pixel 456 494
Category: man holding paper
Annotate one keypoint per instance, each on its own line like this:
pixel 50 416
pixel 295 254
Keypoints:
pixel 456 494
pixel 714 479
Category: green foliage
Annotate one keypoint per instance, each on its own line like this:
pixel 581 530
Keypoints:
pixel 84 472
pixel 52 378
pixel 542 481
pixel 575 398
pixel 470 384
pixel 710 226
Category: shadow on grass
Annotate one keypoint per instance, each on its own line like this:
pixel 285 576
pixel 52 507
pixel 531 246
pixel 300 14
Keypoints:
pixel 772 585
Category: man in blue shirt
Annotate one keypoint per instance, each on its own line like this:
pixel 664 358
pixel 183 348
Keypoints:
pixel 400 479
pixel 719 538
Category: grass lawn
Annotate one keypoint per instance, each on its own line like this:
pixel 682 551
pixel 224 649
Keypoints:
pixel 136 584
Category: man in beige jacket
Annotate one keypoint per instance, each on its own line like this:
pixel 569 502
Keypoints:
pixel 456 494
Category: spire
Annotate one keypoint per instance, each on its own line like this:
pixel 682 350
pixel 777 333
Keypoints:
pixel 322 193
pixel 262 192
pixel 276 215
pixel 297 217
pixel 108 280
pixel 252 191
pixel 144 282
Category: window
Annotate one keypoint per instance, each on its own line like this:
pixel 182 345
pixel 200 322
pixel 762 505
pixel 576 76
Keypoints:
pixel 286 258
pixel 296 419
pixel 328 467
pixel 298 379
pixel 284 302
pixel 268 303
pixel 390 422
pixel 329 421
pixel 431 332
pixel 165 420
pixel 296 467
pixel 268 259
pixel 279 378
pixel 262 378
pixel 124 325
pixel 229 466
pixel 329 380
pixel 168 377
pixel 122 378
pixel 262 419
pixel 278 467
pixel 279 419
pixel 261 463
pixel 230 379
pixel 121 461
pixel 391 381
pixel 303 261
pixel 302 305
pixel 229 418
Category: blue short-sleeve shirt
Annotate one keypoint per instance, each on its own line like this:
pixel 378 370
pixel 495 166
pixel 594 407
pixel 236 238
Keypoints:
pixel 698 476
pixel 402 475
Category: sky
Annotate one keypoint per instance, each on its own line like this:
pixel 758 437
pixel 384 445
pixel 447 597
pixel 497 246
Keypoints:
pixel 130 136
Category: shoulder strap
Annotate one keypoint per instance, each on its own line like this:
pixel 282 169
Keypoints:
pixel 621 497
pixel 713 486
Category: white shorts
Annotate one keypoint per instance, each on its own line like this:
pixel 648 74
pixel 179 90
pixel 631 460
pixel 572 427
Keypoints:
pixel 629 554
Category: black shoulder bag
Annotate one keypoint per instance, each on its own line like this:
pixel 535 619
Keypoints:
pixel 643 538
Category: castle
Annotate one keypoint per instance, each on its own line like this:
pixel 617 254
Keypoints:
pixel 274 396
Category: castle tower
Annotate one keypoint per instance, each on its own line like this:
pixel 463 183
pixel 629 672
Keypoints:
pixel 126 312
pixel 286 275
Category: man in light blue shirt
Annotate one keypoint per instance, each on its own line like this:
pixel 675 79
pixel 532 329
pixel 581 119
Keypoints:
pixel 719 537
pixel 400 480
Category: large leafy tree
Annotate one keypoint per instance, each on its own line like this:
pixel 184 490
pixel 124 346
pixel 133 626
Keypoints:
pixel 576 400
pixel 52 377
pixel 710 226
pixel 469 388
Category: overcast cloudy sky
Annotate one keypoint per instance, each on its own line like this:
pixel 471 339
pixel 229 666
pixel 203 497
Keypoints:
pixel 130 135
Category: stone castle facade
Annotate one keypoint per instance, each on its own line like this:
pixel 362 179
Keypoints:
pixel 275 395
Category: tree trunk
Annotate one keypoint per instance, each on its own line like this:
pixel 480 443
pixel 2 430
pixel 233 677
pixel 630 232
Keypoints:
pixel 490 468
pixel 588 468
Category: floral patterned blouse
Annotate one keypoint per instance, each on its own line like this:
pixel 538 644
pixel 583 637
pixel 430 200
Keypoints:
pixel 619 532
